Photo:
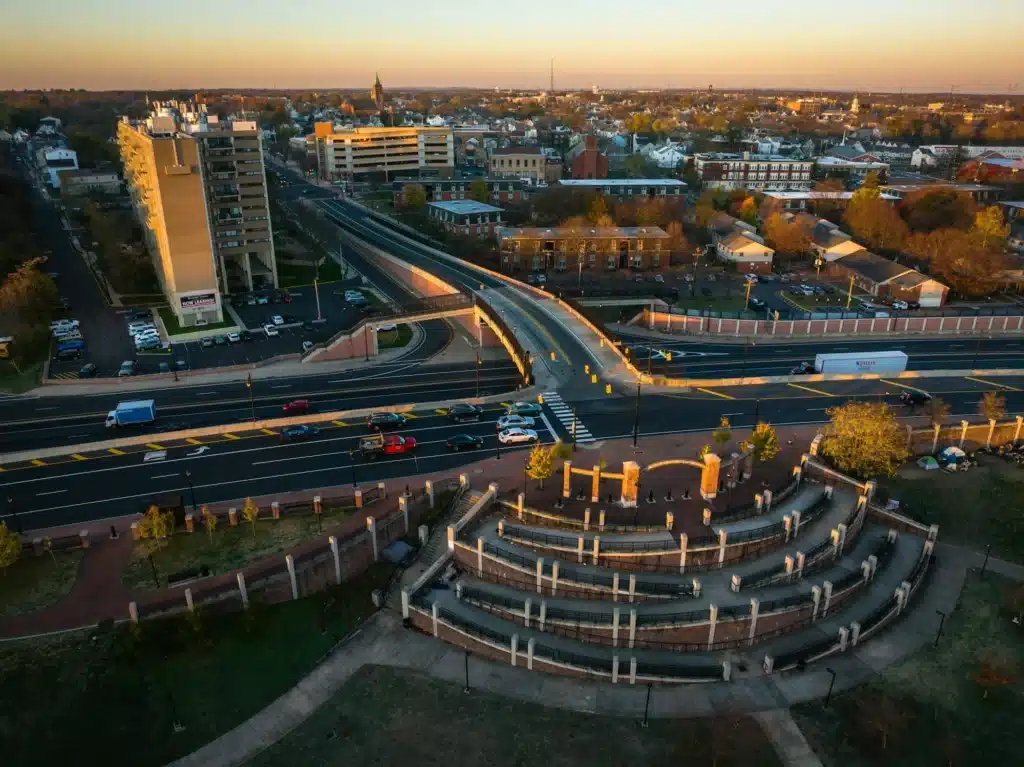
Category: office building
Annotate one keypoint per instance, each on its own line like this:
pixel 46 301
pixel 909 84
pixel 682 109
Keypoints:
pixel 356 153
pixel 743 170
pixel 524 162
pixel 198 189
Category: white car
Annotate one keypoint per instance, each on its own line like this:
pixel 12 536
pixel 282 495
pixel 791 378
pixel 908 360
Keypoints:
pixel 270 330
pixel 145 332
pixel 900 305
pixel 387 328
pixel 277 319
pixel 514 422
pixel 63 323
pixel 140 325
pixel 750 277
pixel 145 335
pixel 517 436
pixel 659 278
pixel 234 338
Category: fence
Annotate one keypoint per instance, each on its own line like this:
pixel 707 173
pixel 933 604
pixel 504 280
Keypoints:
pixel 518 352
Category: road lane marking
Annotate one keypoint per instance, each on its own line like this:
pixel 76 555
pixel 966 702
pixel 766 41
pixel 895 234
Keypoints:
pixel 283 386
pixel 42 409
pixel 410 415
pixel 992 383
pixel 79 457
pixel 115 451
pixel 339 423
pixel 229 435
pixel 904 386
pixel 156 455
pixel 716 393
pixel 205 393
pixel 52 492
pixel 37 462
pixel 440 411
pixel 193 441
pixel 164 476
pixel 269 432
pixel 812 390
pixel 154 446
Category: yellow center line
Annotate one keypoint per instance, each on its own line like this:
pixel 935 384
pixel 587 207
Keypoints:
pixel 229 435
pixel 37 462
pixel 904 386
pixel 716 393
pixel 993 383
pixel 339 423
pixel 79 457
pixel 155 446
pixel 811 389
pixel 193 441
pixel 410 415
pixel 115 451
pixel 269 432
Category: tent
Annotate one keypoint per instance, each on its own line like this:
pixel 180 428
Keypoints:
pixel 927 463
pixel 952 454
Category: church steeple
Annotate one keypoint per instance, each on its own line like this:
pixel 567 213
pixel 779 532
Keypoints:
pixel 377 93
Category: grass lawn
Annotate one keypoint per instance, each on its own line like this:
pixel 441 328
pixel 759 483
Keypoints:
pixel 174 329
pixel 295 275
pixel 112 698
pixel 392 339
pixel 385 716
pixel 232 547
pixel 932 710
pixel 979 507
pixel 33 583
pixel 13 382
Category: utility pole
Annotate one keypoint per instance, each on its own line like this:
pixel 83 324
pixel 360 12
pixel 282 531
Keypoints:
pixel 252 403
pixel 849 293
pixel 746 299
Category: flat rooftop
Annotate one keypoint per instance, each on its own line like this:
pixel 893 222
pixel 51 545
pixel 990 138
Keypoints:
pixel 464 207
pixel 613 182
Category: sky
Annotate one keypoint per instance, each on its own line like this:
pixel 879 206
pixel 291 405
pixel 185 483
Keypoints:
pixel 918 45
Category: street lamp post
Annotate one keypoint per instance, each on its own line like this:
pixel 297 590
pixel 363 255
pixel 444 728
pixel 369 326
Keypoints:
pixel 942 622
pixel 191 487
pixel 14 513
pixel 252 402
pixel 152 566
pixel 574 428
pixel 352 465
pixel 647 705
pixel 466 688
pixel 831 684
pixel 478 363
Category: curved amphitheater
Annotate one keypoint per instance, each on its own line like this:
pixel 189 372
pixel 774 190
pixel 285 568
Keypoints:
pixel 765 590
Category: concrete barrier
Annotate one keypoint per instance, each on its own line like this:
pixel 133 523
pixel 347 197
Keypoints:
pixel 754 380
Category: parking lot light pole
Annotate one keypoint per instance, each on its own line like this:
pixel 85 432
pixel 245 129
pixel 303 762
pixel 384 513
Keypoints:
pixel 831 684
pixel 316 292
pixel 191 487
pixel 14 513
pixel 252 402
pixel 478 363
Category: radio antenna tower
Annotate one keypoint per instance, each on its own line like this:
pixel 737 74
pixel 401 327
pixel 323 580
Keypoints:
pixel 552 77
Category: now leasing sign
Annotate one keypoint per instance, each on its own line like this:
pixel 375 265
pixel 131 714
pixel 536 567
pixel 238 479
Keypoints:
pixel 200 301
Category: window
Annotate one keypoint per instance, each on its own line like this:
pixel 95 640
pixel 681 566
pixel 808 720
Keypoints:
pixel 656 260
pixel 593 259
pixel 610 264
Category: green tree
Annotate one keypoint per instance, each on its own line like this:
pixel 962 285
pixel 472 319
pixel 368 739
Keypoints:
pixel 209 522
pixel 598 210
pixel 10 547
pixel 764 442
pixel 414 196
pixel 989 231
pixel 251 512
pixel 748 211
pixel 543 461
pixel 874 222
pixel 723 433
pixel 479 191
pixel 865 439
pixel 156 526
pixel 992 406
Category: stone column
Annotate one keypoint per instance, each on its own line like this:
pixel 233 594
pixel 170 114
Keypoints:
pixel 632 587
pixel 600 520
pixel 758 502
pixel 291 575
pixel 189 604
pixel 842 536
pixel 543 615
pixel 243 592
pixel 991 431
pixel 1016 432
pixel 796 523
pixel 275 510
pixel 615 627
pixel 405 603
pixel 567 479
pixel 670 519
pixel 233 517
pixel 371 526
pixel 872 566
pixel 816 599
pixel 726 671
pixel 712 623
pixel 787 524
pixel 529 654
pixel 189 525
pixel 595 485
pixel 586 520
pixel 632 670
pixel 630 483
pixel 383 489
pixel 801 558
pixel 514 649
pixel 826 588
pixel 527 607
pixel 696 588
pixel 615 669
pixel 632 628
pixel 333 541
pixel 735 584
pixel 403 506
pixel 615 587
pixel 428 487
pixel 579 550
pixel 844 636
pixel 554 578
pixel 433 617
pixel 684 542
pixel 540 574
pixel 133 612
pixel 358 498
pixel 464 481
pixel 722 537
pixel 136 535
pixel 854 633
pixel 709 476
pixel 451 538
pixel 963 432
pixel 596 554
pixel 479 556
pixel 767 500
pixel 83 537
pixel 520 503
pixel 790 563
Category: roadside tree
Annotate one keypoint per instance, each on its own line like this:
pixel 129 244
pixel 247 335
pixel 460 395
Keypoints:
pixel 938 208
pixel 787 238
pixel 992 406
pixel 874 221
pixel 414 196
pixel 543 461
pixel 722 434
pixel 937 411
pixel 10 547
pixel 764 442
pixel 251 512
pixel 156 526
pixel 865 439
pixel 209 522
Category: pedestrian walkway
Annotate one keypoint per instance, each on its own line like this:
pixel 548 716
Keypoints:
pixel 785 734
pixel 567 417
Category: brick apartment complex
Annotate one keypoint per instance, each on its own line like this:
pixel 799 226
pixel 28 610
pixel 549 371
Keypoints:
pixel 352 153
pixel 522 162
pixel 563 248
pixel 743 170
pixel 630 188
pixel 590 163
pixel 199 191
pixel 466 217
pixel 441 190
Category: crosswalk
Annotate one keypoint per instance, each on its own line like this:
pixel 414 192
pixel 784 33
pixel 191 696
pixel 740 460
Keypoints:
pixel 564 414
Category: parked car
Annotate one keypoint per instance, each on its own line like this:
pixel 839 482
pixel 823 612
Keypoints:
pixel 514 421
pixel 804 368
pixel 234 338
pixel 524 408
pixel 385 421
pixel 900 304
pixel 305 431
pixel 147 344
pixel 296 407
pixel 127 368
pixel 517 436
pixel 459 442
pixel 63 355
pixel 88 371
pixel 756 302
pixel 206 342
pixel 659 278
pixel 262 300
pixel 750 277
pixel 220 340
pixel 464 411
pixel 270 330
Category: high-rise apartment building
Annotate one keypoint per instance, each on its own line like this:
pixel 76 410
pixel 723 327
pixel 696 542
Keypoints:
pixel 199 191
pixel 348 153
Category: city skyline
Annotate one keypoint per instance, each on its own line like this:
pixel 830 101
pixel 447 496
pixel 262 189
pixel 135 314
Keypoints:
pixel 114 44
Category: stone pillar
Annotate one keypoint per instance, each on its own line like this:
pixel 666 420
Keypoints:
pixel 527 606
pixel 991 431
pixel 709 476
pixel 291 575
pixel 684 542
pixel 189 524
pixel 243 592
pixel 615 627
pixel 798 475
pixel 696 588
pixel 233 517
pixel 865 570
pixel 854 633
pixel 789 562
pixel 632 628
pixel 722 537
pixel 579 550
pixel 632 670
pixel 567 479
pixel 433 617
pixel 596 554
pixel 816 599
pixel 275 510
pixel 842 536
pixel 540 574
pixel 933 532
pixel 543 615
pixel 726 670
pixel 383 489
pixel 767 500
pixel 136 535
pixel 800 559
pixel 133 612
pixel 670 519
pixel 735 584
pixel 615 669
pixel 595 485
pixel 83 537
pixel 318 506
pixel 829 489
pixel 554 578
pixel 586 520
pixel 403 506
pixel 501 528
pixel 189 604
pixel 901 599
pixel 615 587
pixel 630 483
pixel 758 502
pixel 428 488
pixel 520 503
pixel 796 522
pixel 514 649
pixel 333 541
pixel 458 591
pixel 359 498
pixel 844 637
pixel 464 481
pixel 529 654
pixel 712 623
pixel 907 589
pixel 371 526
pixel 405 603
pixel 451 538
pixel 1016 432
pixel 632 587
pixel 769 664
pixel 600 520
pixel 479 556
pixel 787 524
pixel 826 589
pixel 872 566
pixel 963 432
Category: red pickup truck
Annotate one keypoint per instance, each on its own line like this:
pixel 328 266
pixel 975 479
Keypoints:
pixel 385 444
